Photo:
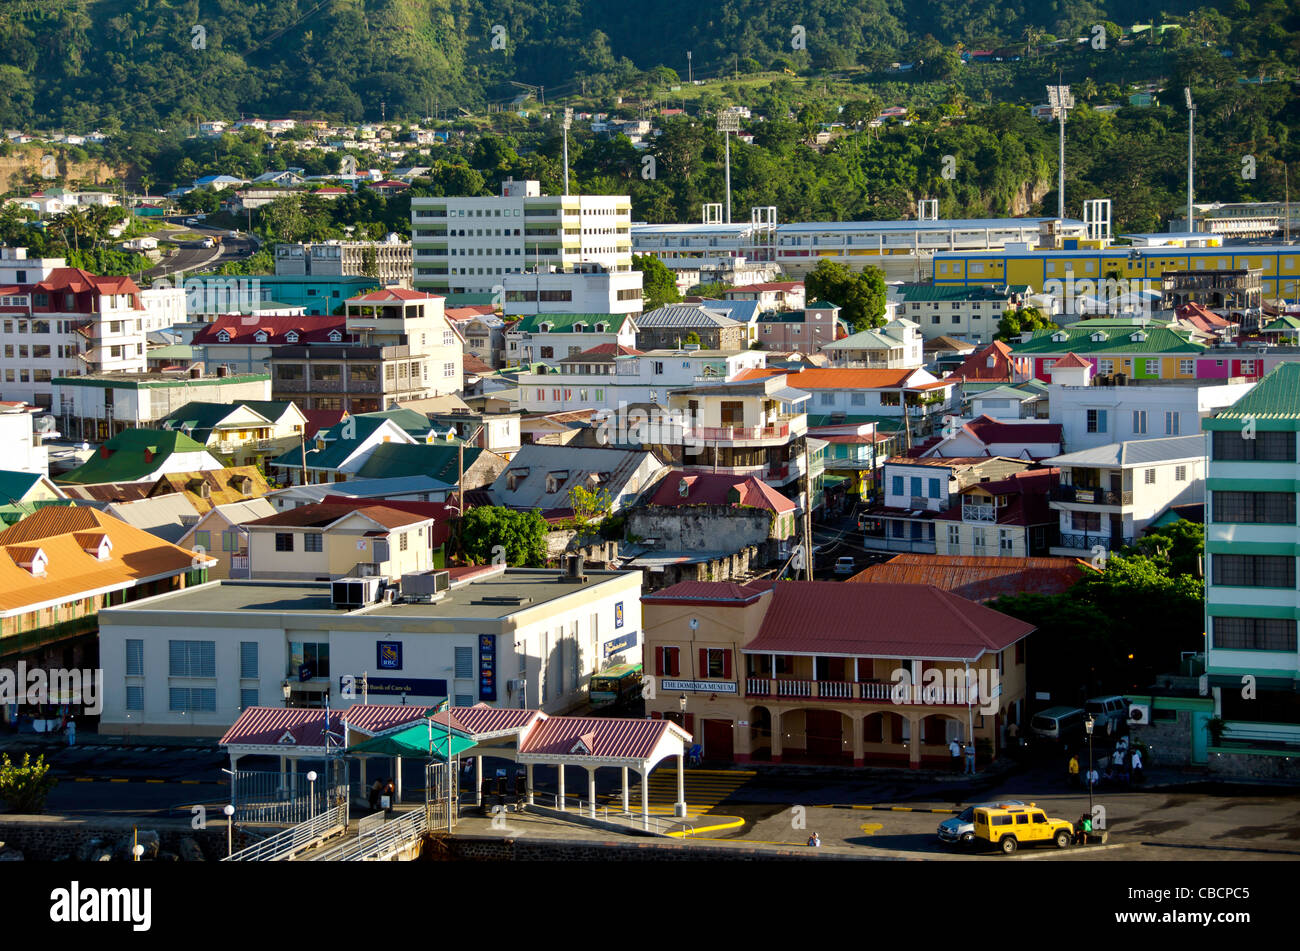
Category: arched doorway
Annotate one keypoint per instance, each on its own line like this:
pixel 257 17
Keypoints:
pixel 760 733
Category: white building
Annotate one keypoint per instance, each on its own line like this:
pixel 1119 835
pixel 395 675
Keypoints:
pixel 1109 494
pixel 608 376
pixel 24 448
pixel 512 637
pixel 389 261
pixel 469 245
pixel 587 289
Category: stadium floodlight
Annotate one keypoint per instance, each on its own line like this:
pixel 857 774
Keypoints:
pixel 1059 98
pixel 568 121
pixel 728 122
pixel 1191 147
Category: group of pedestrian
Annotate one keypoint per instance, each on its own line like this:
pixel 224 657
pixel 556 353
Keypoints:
pixel 1125 766
pixel 956 748
pixel 380 788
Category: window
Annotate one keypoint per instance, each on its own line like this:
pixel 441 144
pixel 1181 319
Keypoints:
pixel 314 655
pixel 135 658
pixel 1139 422
pixel 192 658
pixel 827 399
pixel 1186 367
pixel 192 699
pixel 311 541
pixel 1233 446
pixel 134 697
pixel 857 399
pixel 668 661
pixel 916 487
pixel 401 541
pixel 977 538
pixel 247 697
pixel 1173 424
pixel 1253 571
pixel 1096 421
pixel 1180 473
pixel 1271 508
pixel 284 541
pixel 1085 521
pixel 230 541
pixel 1149 477
pixel 1255 634
pixel 934 488
pixel 203 540
pixel 716 664
pixel 954 534
pixel 464 663
pixel 897 485
pixel 248 660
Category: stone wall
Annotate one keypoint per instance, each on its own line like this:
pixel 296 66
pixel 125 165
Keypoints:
pixel 1168 742
pixel 1256 767
pixel 50 838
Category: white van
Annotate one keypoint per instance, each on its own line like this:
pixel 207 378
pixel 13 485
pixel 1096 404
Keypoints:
pixel 1058 723
pixel 1110 713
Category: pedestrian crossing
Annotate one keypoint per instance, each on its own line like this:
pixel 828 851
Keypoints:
pixel 706 789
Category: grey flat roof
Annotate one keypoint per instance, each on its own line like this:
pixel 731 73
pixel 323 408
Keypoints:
pixel 288 597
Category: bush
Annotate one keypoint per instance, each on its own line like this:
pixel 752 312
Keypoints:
pixel 25 787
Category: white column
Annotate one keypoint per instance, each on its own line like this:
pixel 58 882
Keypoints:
pixel 645 799
pixel 283 781
pixel 530 784
pixel 591 789
pixel 478 780
pixel 560 801
pixel 679 809
pixel 625 791
pixel 397 780
pixel 365 787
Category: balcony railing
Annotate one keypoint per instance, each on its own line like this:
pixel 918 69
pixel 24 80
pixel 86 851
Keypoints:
pixel 839 691
pixel 1090 496
pixel 1087 541
pixel 979 513
pixel 740 432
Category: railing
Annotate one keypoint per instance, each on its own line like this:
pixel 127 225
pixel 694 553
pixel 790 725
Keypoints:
pixel 239 563
pixel 1087 542
pixel 979 513
pixel 379 842
pixel 740 432
pixel 883 543
pixel 842 690
pixel 278 798
pixel 286 844
pixel 778 472
pixel 1090 496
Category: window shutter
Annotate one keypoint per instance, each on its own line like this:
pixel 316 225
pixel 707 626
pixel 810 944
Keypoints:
pixel 726 664
pixel 674 661
pixel 655 714
pixel 690 723
pixel 702 671
pixel 659 661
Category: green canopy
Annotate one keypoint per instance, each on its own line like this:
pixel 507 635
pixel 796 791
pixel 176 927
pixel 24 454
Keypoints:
pixel 412 742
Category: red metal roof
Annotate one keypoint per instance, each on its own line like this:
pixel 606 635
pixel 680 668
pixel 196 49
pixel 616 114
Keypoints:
pixel 1072 359
pixel 714 489
pixel 321 419
pixel 244 328
pixel 483 720
pixel 609 349
pixel 690 591
pixel 599 736
pixel 989 430
pixel 975 366
pixel 321 514
pixel 976 578
pixel 390 294
pixel 880 620
pixel 267 726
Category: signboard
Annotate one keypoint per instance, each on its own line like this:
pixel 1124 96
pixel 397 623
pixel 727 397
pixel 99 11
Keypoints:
pixel 487 667
pixel 397 686
pixel 305 673
pixel 618 614
pixel 621 643
pixel 699 686
pixel 388 655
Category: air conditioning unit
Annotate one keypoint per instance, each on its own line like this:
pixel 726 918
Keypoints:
pixel 354 592
pixel 1139 714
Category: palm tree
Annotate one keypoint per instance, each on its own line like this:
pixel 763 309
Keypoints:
pixel 75 219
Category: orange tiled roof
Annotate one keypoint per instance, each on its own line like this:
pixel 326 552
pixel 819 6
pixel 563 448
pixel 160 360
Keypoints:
pixel 837 378
pixel 71 572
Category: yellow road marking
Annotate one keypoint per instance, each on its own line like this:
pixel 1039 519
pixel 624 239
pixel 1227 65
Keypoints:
pixel 871 828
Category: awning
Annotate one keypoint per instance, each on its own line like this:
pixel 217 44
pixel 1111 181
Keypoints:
pixel 412 742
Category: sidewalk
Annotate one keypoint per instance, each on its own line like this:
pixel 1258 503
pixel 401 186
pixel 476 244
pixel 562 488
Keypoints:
pixel 21 741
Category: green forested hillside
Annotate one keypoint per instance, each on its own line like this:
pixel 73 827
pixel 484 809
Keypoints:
pixel 86 63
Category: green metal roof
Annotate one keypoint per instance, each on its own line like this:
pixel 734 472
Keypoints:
pixel 14 485
pixel 882 422
pixel 1158 340
pixel 123 382
pixel 1283 323
pixel 415 742
pixel 126 462
pixel 1276 397
pixel 930 292
pixel 563 323
pixel 439 460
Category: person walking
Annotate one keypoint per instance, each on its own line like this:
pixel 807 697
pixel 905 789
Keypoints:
pixel 1073 770
pixel 970 759
pixel 1135 762
pixel 1093 778
pixel 954 749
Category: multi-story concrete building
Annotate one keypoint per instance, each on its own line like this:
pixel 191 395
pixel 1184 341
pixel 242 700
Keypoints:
pixel 508 637
pixel 580 289
pixel 898 345
pixel 1251 597
pixel 1007 518
pixel 70 322
pixel 387 262
pixel 672 325
pixel 1110 494
pixel 807 329
pixel 966 313
pixel 245 344
pixel 550 338
pixel 469 245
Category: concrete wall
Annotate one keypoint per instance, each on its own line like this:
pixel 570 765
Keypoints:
pixel 702 527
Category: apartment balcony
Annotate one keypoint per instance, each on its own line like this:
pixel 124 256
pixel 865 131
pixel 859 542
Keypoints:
pixel 979 513
pixel 1073 542
pixel 1090 496
pixel 227 446
pixel 843 691
pixel 739 433
pixel 884 543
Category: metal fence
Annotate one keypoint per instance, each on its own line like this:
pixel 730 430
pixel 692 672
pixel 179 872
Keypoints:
pixel 284 845
pixel 378 842
pixel 279 798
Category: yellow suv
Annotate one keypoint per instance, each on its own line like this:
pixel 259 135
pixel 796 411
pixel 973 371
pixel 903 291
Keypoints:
pixel 1012 826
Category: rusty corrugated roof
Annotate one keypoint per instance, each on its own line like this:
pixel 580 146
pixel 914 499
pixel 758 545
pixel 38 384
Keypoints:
pixel 974 577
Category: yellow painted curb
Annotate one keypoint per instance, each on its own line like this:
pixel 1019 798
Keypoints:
pixel 732 824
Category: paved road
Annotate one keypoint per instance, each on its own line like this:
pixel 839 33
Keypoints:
pixel 191 260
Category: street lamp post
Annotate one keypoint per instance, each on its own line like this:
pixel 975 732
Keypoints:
pixel 681 702
pixel 229 811
pixel 311 792
pixel 1088 725
pixel 286 690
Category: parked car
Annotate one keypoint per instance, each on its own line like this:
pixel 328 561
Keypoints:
pixel 845 565
pixel 1058 723
pixel 960 829
pixel 1110 713
pixel 1010 828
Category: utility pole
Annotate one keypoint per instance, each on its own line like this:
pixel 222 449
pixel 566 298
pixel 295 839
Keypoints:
pixel 807 513
pixel 690 75
pixel 1191 145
